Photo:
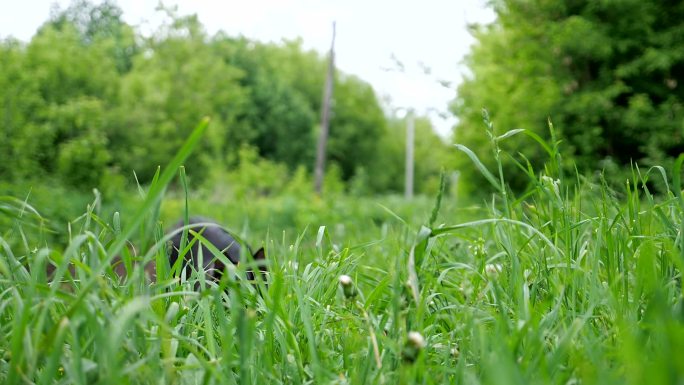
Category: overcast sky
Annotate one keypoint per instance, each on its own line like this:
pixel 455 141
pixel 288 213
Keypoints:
pixel 369 32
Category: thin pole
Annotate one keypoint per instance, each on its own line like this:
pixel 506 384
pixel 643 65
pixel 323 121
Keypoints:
pixel 408 187
pixel 325 119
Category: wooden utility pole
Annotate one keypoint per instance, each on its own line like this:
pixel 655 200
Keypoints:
pixel 410 129
pixel 325 118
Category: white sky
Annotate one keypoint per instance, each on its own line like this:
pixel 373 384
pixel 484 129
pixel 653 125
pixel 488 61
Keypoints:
pixel 369 32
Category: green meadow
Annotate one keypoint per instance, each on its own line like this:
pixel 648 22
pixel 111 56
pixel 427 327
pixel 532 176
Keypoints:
pixel 547 250
pixel 574 282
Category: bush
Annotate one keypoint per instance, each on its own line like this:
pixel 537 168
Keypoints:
pixel 82 161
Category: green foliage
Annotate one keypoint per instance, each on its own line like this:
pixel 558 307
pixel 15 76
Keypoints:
pixel 181 80
pixel 91 102
pixel 21 138
pixel 65 67
pixel 58 207
pixel 607 73
pixel 569 284
pixel 100 24
pixel 82 161
pixel 278 116
pixel 252 177
pixel 356 126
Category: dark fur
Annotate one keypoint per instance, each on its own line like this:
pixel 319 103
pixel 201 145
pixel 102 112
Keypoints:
pixel 213 267
pixel 218 237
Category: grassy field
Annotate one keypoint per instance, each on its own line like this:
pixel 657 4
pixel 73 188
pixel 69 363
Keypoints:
pixel 571 283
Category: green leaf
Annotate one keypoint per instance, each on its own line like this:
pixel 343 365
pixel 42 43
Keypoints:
pixel 483 169
pixel 510 133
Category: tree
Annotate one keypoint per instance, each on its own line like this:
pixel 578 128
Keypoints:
pixel 279 117
pixel 285 84
pixel 431 154
pixel 169 90
pixel 19 102
pixel 606 72
pixel 87 99
pixel 53 91
pixel 100 24
pixel 356 126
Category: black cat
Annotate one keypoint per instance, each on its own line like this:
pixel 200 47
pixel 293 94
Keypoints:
pixel 221 239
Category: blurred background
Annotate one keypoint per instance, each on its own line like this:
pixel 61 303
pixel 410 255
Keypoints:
pixel 99 94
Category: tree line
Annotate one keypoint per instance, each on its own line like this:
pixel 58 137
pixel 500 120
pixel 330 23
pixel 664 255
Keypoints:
pixel 89 101
pixel 609 75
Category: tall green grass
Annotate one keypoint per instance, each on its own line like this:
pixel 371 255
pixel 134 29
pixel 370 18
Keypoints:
pixel 570 282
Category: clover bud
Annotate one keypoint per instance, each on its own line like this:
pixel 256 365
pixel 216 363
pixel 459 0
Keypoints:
pixel 347 286
pixel 414 344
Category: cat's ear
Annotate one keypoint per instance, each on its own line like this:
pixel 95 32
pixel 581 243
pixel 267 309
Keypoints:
pixel 259 255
